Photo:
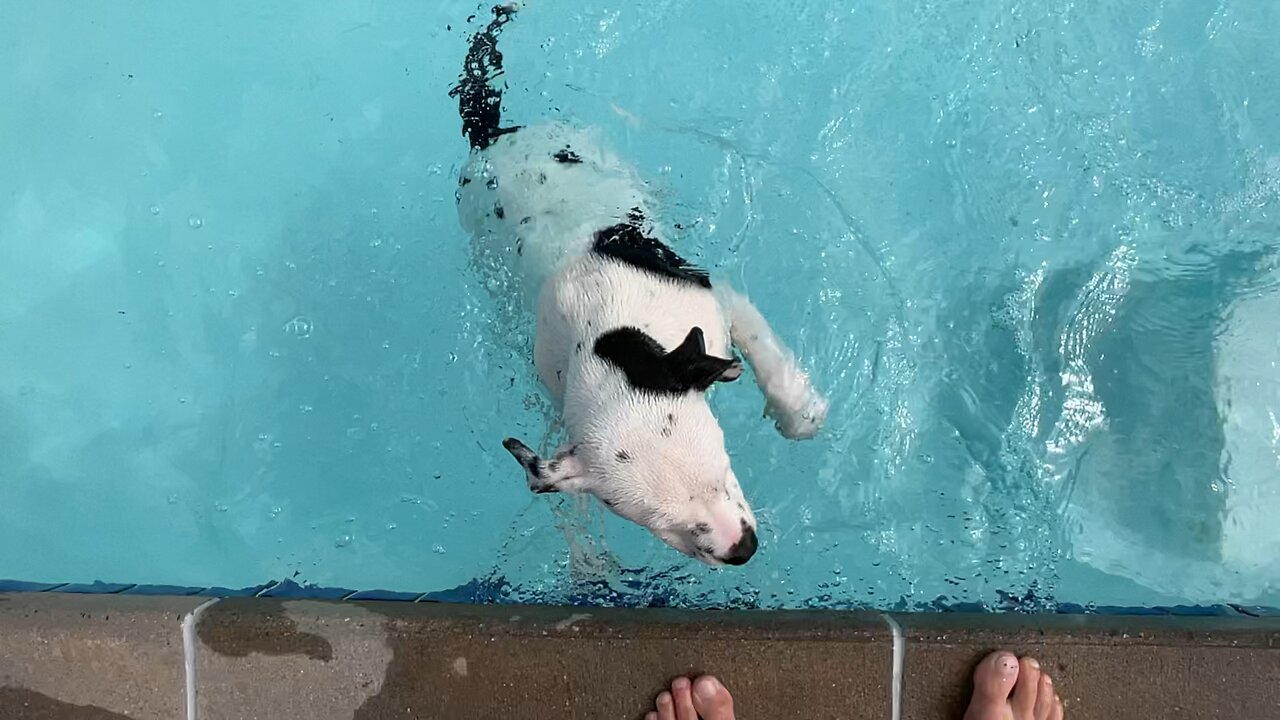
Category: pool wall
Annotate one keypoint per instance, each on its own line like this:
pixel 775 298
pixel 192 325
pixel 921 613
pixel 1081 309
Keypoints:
pixel 112 652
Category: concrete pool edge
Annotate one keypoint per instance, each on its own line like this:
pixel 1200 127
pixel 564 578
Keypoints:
pixel 78 656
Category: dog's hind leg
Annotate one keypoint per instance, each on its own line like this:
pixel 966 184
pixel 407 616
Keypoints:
pixel 564 472
pixel 479 89
pixel 797 408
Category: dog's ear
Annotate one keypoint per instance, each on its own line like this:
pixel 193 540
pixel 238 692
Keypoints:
pixel 649 367
pixel 694 368
pixel 564 472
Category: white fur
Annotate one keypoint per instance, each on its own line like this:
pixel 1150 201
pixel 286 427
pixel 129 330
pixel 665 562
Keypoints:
pixel 676 478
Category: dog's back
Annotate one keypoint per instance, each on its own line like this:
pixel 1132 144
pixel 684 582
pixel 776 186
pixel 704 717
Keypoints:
pixel 533 200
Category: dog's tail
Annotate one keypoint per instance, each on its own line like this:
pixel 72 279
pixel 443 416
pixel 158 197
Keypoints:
pixel 479 88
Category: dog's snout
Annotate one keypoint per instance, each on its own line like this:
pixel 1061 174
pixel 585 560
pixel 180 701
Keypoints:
pixel 742 550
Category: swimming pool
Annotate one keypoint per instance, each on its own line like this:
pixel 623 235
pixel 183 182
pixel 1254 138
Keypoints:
pixel 1031 253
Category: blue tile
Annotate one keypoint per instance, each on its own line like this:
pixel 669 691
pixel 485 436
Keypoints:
pixel 226 592
pixel 1118 610
pixel 966 607
pixel 162 590
pixel 288 589
pixel 385 595
pixel 22 586
pixel 487 591
pixel 1200 610
pixel 97 587
pixel 1257 610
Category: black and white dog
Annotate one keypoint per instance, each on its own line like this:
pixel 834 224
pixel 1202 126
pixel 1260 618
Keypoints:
pixel 629 335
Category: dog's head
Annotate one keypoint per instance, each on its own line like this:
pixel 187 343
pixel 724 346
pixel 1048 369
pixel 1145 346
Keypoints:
pixel 653 452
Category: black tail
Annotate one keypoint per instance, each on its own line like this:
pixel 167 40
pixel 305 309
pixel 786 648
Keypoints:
pixel 479 89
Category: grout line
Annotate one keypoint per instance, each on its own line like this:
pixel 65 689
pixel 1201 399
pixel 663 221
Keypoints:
pixel 189 653
pixel 899 657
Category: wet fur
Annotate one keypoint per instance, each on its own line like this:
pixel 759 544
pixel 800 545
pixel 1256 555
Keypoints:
pixel 629 334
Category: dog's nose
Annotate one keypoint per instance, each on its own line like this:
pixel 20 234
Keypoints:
pixel 742 550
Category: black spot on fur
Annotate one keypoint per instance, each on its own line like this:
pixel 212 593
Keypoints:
pixel 464 181
pixel 578 349
pixel 666 431
pixel 648 367
pixel 623 457
pixel 542 178
pixel 701 529
pixel 607 503
pixel 627 243
pixel 567 157
pixel 526 219
pixel 497 210
pixel 554 466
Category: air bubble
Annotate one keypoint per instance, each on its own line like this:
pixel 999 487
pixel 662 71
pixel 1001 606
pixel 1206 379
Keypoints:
pixel 196 222
pixel 155 209
pixel 342 541
pixel 299 327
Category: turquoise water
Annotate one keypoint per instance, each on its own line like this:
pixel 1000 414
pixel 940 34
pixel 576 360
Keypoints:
pixel 1031 252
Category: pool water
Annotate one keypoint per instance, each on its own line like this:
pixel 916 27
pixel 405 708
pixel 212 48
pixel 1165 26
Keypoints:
pixel 1031 251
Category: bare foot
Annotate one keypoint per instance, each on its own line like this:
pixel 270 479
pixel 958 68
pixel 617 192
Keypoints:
pixel 1006 688
pixel 703 698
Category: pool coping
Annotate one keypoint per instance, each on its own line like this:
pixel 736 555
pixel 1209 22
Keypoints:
pixel 76 655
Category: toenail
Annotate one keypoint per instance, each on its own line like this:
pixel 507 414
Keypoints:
pixel 680 683
pixel 664 699
pixel 1006 663
pixel 707 689
pixel 1032 663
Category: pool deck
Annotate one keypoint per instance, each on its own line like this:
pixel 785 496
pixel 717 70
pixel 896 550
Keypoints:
pixel 67 656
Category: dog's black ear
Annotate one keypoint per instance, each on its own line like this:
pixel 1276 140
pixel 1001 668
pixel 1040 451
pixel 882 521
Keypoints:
pixel 694 368
pixel 649 367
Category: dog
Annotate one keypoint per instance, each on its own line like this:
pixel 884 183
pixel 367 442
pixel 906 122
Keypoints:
pixel 629 336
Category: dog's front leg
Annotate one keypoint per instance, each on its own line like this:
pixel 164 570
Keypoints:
pixel 796 406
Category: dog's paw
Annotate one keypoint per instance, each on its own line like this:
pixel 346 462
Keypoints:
pixel 799 417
